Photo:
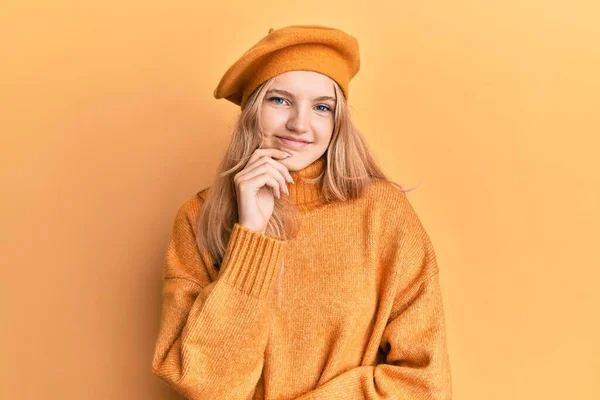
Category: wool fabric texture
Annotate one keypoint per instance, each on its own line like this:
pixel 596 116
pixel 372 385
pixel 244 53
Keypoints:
pixel 318 48
pixel 359 315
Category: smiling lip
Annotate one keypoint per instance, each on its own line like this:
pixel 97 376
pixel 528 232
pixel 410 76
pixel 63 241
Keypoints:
pixel 293 143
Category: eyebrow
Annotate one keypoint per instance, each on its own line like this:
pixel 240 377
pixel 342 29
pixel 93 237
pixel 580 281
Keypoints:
pixel 285 92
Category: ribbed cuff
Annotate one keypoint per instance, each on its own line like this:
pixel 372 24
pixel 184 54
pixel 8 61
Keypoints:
pixel 251 262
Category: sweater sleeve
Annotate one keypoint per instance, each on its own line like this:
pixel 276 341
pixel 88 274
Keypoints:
pixel 417 364
pixel 213 333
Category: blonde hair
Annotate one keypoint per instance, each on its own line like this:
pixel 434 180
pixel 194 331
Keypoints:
pixel 349 168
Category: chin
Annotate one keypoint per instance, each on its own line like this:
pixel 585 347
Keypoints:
pixel 291 165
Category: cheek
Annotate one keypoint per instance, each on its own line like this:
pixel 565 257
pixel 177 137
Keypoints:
pixel 324 127
pixel 272 119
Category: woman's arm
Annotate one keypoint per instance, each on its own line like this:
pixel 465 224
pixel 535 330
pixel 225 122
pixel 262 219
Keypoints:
pixel 213 334
pixel 417 364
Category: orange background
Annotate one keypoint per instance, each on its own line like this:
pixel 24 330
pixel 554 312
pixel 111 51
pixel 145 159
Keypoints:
pixel 108 124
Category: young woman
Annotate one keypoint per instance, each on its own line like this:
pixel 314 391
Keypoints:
pixel 302 272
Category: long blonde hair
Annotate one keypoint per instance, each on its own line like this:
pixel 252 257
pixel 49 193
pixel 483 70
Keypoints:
pixel 349 168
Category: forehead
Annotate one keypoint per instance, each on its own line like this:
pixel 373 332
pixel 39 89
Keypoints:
pixel 305 83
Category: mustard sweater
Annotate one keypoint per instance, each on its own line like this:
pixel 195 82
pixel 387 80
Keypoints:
pixel 360 315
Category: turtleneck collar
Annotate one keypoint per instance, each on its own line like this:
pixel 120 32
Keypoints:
pixel 304 193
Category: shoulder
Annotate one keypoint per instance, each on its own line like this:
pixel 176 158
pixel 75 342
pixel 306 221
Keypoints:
pixel 388 197
pixel 382 187
pixel 201 194
pixel 402 233
pixel 399 219
pixel 189 210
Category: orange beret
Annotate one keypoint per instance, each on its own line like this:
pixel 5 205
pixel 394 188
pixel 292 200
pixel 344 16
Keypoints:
pixel 318 48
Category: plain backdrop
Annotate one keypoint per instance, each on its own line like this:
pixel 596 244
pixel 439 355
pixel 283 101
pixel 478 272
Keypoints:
pixel 108 124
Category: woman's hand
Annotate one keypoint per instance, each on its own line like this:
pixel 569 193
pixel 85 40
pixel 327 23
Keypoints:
pixel 256 186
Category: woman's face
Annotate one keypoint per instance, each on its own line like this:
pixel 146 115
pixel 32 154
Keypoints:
pixel 300 105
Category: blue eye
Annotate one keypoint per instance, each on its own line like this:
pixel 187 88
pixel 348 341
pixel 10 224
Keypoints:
pixel 275 98
pixel 327 108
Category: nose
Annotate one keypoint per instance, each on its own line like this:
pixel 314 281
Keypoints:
pixel 298 120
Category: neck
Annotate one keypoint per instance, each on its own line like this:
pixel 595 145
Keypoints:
pixel 302 192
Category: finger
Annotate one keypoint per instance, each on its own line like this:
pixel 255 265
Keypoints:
pixel 258 181
pixel 281 168
pixel 266 180
pixel 267 159
pixel 266 168
pixel 256 156
pixel 278 165
pixel 258 153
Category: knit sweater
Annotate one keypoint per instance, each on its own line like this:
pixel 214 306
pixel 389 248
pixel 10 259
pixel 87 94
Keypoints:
pixel 359 314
